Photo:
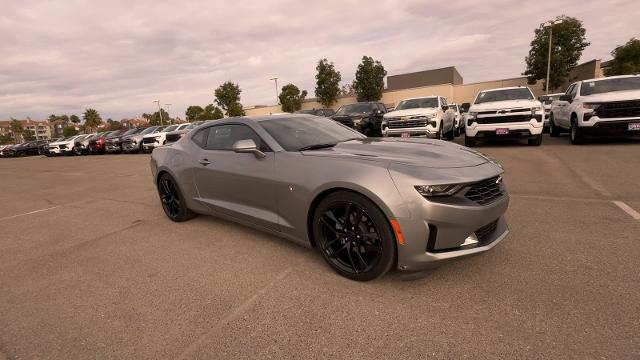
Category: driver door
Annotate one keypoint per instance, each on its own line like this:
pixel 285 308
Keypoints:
pixel 239 185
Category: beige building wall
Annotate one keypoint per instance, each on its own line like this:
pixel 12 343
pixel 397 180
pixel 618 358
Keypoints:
pixel 453 93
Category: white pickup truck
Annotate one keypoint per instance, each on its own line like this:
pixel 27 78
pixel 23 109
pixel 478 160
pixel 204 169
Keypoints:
pixel 598 107
pixel 426 116
pixel 504 113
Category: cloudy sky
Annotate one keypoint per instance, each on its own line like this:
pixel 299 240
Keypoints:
pixel 118 56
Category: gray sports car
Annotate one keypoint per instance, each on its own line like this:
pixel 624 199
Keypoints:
pixel 366 204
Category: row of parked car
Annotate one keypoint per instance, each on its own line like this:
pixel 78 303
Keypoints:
pixel 118 141
pixel 602 107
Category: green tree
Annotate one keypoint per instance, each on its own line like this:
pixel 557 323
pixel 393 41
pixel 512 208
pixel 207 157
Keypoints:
pixel 74 119
pixel 16 128
pixel 291 98
pixel 568 42
pixel 155 119
pixel 369 82
pixel 193 113
pixel 327 83
pixel 228 98
pixel 113 125
pixel 69 131
pixel 5 139
pixel 28 135
pixel 211 112
pixel 92 119
pixel 626 59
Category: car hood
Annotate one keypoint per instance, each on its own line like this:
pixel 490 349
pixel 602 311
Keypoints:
pixel 350 115
pixel 407 151
pixel 613 96
pixel 409 112
pixel 507 104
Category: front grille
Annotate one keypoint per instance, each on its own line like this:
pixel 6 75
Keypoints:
pixel 402 124
pixel 173 137
pixel 149 140
pixel 486 231
pixel 504 119
pixel 486 191
pixel 505 111
pixel 620 109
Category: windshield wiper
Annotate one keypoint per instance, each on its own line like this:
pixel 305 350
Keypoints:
pixel 317 146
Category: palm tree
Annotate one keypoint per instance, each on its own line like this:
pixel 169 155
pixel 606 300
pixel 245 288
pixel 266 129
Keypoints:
pixel 92 119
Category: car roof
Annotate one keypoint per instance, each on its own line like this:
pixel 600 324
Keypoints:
pixel 506 88
pixel 421 97
pixel 610 77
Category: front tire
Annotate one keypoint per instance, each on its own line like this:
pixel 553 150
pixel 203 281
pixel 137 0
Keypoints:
pixel 536 141
pixel 173 202
pixel 354 236
pixel 469 141
pixel 554 131
pixel 576 133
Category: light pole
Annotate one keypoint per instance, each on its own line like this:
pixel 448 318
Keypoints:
pixel 159 111
pixel 276 80
pixel 550 24
pixel 168 113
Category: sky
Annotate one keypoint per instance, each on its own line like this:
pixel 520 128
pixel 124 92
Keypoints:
pixel 61 57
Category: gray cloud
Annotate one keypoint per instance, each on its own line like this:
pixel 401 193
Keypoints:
pixel 117 56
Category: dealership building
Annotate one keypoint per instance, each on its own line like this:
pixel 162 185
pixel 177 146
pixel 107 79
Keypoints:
pixel 446 82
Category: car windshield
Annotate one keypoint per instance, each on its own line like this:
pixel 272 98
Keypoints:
pixel 158 129
pixel 148 130
pixel 504 95
pixel 131 132
pixel 548 99
pixel 298 133
pixel 610 85
pixel 354 109
pixel 171 128
pixel 454 107
pixel 431 102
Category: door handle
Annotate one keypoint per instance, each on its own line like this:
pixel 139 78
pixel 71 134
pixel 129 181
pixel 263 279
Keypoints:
pixel 204 162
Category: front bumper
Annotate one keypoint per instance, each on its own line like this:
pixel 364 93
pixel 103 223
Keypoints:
pixel 597 127
pixel 516 130
pixel 428 131
pixel 113 148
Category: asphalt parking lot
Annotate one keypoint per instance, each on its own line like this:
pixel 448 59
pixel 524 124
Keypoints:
pixel 90 267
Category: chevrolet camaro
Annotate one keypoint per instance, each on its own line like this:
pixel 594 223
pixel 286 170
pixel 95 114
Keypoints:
pixel 366 204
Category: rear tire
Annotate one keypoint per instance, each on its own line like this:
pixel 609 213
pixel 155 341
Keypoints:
pixel 536 141
pixel 450 135
pixel 354 236
pixel 469 141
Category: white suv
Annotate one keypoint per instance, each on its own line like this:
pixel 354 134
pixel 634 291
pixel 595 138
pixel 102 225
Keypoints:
pixel 459 125
pixel 63 147
pixel 598 107
pixel 159 137
pixel 511 112
pixel 426 116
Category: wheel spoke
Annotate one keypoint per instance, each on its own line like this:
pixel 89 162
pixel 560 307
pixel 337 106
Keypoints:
pixel 339 250
pixel 346 214
pixel 328 244
pixel 372 236
pixel 370 247
pixel 353 266
pixel 329 226
pixel 361 259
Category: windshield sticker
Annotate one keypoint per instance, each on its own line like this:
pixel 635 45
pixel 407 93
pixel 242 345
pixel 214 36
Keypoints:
pixel 591 84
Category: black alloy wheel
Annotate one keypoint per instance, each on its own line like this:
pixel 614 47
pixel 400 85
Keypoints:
pixel 354 236
pixel 172 200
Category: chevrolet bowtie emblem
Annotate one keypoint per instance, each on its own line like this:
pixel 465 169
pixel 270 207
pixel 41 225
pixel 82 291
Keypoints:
pixel 499 179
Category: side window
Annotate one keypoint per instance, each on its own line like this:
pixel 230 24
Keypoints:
pixel 200 138
pixel 222 137
pixel 382 108
pixel 570 89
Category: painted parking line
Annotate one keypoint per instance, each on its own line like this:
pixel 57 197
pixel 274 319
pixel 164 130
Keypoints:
pixel 628 209
pixel 28 213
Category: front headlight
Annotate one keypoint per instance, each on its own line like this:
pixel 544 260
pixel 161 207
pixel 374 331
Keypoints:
pixel 438 190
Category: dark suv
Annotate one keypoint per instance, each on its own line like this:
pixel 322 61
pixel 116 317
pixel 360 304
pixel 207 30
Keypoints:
pixel 326 112
pixel 366 117
pixel 38 147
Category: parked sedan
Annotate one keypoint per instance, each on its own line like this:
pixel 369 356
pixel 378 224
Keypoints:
pixel 177 134
pixel 36 147
pixel 97 144
pixel 113 142
pixel 366 204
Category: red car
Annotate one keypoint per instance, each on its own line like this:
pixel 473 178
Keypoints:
pixel 97 144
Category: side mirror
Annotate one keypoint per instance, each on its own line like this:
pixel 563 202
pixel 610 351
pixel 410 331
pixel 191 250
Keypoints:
pixel 248 146
pixel 445 108
pixel 566 98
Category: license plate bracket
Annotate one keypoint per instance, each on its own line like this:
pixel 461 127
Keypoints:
pixel 502 131
pixel 634 127
pixel 405 135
